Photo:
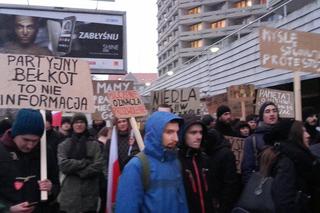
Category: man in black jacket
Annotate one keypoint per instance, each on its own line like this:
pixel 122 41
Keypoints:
pixel 195 166
pixel 20 183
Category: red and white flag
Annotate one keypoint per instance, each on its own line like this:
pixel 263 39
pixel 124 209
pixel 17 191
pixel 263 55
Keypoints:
pixel 113 171
pixel 56 118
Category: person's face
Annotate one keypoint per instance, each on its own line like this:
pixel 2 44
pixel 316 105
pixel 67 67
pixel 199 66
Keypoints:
pixel 25 29
pixel 306 137
pixel 66 126
pixel 122 125
pixel 26 143
pixel 225 117
pixel 312 120
pixel 252 124
pixel 244 131
pixel 79 126
pixel 270 115
pixel 193 136
pixel 170 135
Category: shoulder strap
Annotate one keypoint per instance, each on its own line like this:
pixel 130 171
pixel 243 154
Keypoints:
pixel 254 144
pixel 145 175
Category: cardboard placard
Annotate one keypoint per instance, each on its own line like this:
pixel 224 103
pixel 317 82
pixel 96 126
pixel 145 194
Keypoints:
pixel 283 99
pixel 182 101
pixel 238 93
pixel 237 146
pixel 290 50
pixel 45 82
pixel 102 104
pixel 126 104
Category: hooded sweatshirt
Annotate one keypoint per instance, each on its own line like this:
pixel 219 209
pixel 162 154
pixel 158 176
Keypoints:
pixel 166 191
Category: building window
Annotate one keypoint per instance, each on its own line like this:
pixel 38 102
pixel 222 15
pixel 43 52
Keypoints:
pixel 218 24
pixel 195 10
pixel 196 27
pixel 196 43
pixel 243 3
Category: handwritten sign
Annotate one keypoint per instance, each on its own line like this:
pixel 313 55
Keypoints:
pixel 283 99
pixel 102 104
pixel 44 82
pixel 290 50
pixel 244 92
pixel 126 104
pixel 237 146
pixel 182 101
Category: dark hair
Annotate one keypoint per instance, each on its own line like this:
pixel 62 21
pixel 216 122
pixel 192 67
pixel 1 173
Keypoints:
pixel 296 133
pixel 267 159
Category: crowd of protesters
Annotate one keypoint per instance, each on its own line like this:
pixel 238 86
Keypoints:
pixel 187 164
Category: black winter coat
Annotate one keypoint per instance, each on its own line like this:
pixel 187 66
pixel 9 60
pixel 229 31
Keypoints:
pixel 296 170
pixel 15 165
pixel 222 165
pixel 196 178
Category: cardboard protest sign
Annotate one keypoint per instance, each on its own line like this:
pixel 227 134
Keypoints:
pixel 126 104
pixel 102 104
pixel 45 82
pixel 237 146
pixel 222 99
pixel 182 101
pixel 244 92
pixel 290 50
pixel 283 99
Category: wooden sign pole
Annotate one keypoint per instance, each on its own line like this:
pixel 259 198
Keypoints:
pixel 243 110
pixel 43 156
pixel 136 132
pixel 297 96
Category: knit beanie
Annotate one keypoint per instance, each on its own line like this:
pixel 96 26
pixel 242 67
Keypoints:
pixel 79 116
pixel 307 112
pixel 222 109
pixel 262 108
pixel 251 117
pixel 66 120
pixel 207 119
pixel 28 121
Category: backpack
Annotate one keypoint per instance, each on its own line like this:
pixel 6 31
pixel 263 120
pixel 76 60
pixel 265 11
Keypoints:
pixel 145 175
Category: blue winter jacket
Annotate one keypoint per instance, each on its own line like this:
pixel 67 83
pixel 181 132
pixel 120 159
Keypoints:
pixel 166 192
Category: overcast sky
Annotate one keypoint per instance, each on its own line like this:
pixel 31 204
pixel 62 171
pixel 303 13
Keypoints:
pixel 141 26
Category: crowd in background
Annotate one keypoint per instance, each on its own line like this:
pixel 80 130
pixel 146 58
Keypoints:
pixel 191 166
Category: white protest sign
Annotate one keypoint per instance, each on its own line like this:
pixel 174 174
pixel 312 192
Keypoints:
pixel 45 82
pixel 182 101
pixel 283 99
pixel 102 104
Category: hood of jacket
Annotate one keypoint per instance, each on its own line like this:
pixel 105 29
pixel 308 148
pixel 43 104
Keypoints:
pixel 153 134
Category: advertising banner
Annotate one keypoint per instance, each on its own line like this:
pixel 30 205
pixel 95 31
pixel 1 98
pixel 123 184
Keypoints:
pixel 45 82
pixel 102 103
pixel 289 50
pixel 238 93
pixel 182 101
pixel 126 104
pixel 95 36
pixel 283 99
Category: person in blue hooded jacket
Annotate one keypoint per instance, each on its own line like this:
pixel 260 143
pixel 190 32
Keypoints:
pixel 165 192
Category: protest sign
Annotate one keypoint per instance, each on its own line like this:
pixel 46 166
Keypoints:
pixel 238 93
pixel 237 146
pixel 290 50
pixel 126 104
pixel 182 101
pixel 45 82
pixel 283 99
pixel 102 104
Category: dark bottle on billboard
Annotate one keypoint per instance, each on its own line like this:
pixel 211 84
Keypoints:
pixel 65 38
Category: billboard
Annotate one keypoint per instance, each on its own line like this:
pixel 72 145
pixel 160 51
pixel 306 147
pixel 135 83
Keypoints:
pixel 98 37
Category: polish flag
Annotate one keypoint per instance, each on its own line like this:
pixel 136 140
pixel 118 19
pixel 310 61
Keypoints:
pixel 113 171
pixel 56 118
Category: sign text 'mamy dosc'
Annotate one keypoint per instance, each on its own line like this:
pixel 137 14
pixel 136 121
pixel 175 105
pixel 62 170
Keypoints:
pixel 45 82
